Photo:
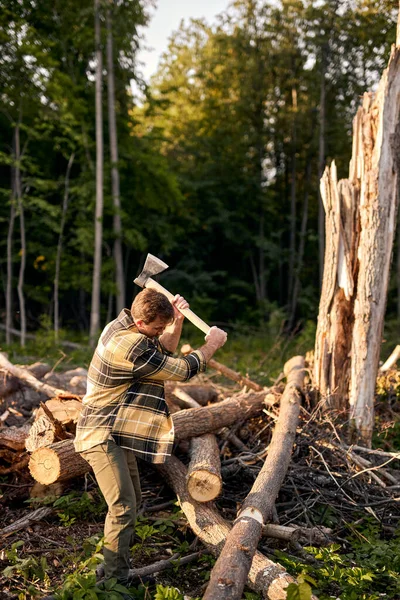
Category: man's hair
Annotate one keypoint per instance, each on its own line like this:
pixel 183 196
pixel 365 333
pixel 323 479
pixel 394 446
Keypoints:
pixel 150 304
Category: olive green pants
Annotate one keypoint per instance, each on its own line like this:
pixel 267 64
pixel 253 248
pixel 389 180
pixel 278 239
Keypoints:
pixel 117 474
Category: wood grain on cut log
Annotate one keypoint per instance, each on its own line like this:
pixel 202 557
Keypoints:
pixel 227 372
pixel 265 577
pixel 204 472
pixel 229 574
pixel 57 462
pixel 187 423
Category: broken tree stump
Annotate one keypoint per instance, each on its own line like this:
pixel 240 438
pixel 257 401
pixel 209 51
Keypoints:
pixel 187 423
pixel 229 574
pixel 264 577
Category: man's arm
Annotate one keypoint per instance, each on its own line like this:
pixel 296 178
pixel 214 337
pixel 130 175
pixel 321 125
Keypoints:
pixel 171 336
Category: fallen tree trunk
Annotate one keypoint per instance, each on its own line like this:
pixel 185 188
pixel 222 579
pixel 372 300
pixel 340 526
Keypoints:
pixel 29 379
pixel 265 577
pixel 227 372
pixel 229 574
pixel 203 394
pixel 33 517
pixel 60 461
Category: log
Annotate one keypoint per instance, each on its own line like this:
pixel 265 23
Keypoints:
pixel 265 577
pixel 51 420
pixel 32 517
pixel 204 472
pixel 65 410
pixel 227 372
pixel 29 379
pixel 229 574
pixel 186 401
pixel 187 423
pixel 203 394
pixel 392 360
pixel 57 462
pixel 14 437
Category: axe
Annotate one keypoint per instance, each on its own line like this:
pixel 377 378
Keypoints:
pixel 154 265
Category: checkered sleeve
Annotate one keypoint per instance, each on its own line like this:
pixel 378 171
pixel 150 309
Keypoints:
pixel 152 364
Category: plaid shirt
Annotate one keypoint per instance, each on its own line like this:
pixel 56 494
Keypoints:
pixel 125 393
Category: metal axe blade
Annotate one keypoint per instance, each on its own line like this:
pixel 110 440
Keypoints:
pixel 152 266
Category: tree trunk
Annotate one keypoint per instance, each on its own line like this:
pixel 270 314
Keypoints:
pixel 9 311
pixel 265 577
pixel 117 227
pixel 18 194
pixel 98 226
pixel 321 160
pixel 59 246
pixel 292 245
pixel 230 572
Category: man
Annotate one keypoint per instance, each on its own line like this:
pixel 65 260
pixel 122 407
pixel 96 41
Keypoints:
pixel 125 414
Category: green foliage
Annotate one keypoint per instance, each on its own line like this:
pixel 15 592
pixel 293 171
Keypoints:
pixel 29 568
pixel 167 593
pixel 370 570
pixel 76 506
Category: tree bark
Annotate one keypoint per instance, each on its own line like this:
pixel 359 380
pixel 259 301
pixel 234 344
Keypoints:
pixel 11 223
pixel 265 577
pixel 21 276
pixel 117 227
pixel 98 224
pixel 379 201
pixel 59 246
pixel 229 574
pixel 14 437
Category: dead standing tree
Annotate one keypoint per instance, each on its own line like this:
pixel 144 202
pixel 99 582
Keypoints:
pixel 360 224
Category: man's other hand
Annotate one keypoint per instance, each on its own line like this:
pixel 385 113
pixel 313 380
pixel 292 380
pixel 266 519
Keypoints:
pixel 217 337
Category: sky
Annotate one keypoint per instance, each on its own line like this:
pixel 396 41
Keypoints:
pixel 166 19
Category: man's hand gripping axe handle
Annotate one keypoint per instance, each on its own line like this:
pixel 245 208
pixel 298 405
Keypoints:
pixel 154 265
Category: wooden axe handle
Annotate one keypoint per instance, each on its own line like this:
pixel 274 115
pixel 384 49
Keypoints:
pixel 189 314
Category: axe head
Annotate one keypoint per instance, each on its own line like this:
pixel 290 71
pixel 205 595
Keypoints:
pixel 152 266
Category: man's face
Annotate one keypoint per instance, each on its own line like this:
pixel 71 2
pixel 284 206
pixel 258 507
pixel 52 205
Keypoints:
pixel 153 329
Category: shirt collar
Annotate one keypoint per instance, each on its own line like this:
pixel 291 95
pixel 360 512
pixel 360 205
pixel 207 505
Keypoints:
pixel 126 320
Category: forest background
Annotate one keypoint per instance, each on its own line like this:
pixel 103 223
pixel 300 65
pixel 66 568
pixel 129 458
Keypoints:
pixel 215 168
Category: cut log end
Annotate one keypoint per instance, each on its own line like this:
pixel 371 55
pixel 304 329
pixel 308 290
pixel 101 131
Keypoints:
pixel 204 486
pixel 44 466
pixel 57 462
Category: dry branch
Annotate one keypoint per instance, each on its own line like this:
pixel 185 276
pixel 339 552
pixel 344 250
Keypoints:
pixel 227 372
pixel 229 574
pixel 28 379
